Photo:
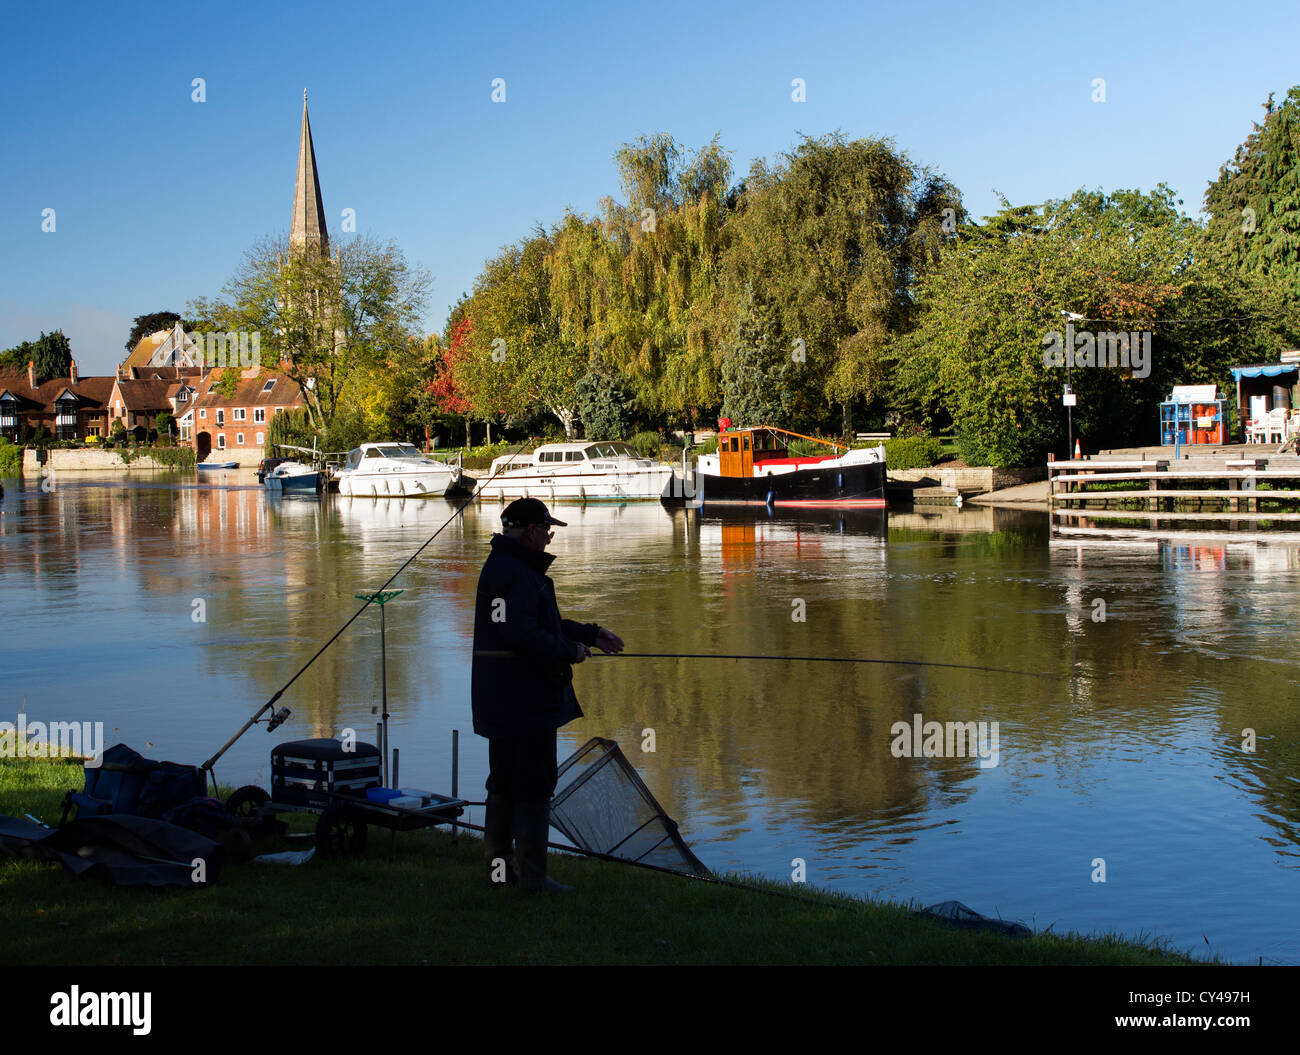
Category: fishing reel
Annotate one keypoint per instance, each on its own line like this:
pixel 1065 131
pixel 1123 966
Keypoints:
pixel 277 719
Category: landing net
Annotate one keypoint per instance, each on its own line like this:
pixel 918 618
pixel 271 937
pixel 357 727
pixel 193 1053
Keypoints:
pixel 603 806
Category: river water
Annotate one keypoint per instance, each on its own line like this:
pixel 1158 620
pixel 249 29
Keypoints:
pixel 170 609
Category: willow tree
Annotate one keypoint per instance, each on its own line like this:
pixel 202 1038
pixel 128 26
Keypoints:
pixel 639 285
pixel 833 236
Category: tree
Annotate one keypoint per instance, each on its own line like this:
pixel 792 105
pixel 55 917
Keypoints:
pixel 641 282
pixel 53 356
pixel 163 423
pixel 1126 261
pixel 1254 205
pixel 51 353
pixel 441 397
pixel 324 319
pixel 834 237
pixel 756 368
pixel 147 324
pixel 292 426
pixel 603 404
pixel 518 361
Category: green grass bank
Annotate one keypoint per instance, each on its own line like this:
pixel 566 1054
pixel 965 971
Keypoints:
pixel 426 902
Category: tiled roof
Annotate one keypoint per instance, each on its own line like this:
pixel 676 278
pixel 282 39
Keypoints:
pixel 167 373
pixel 249 392
pixel 145 347
pixel 95 388
pixel 90 391
pixel 145 395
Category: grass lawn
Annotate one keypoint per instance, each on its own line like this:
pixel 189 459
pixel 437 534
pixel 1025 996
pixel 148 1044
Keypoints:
pixel 427 902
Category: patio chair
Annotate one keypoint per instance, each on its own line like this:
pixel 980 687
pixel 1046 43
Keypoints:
pixel 1275 425
pixel 1256 430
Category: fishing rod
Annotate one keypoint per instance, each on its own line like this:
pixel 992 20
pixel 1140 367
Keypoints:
pixel 500 654
pixel 278 717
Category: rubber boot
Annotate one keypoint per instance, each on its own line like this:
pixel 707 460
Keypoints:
pixel 498 839
pixel 532 830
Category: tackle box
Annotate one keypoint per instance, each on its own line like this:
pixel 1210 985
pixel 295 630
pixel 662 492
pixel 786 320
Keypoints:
pixel 308 771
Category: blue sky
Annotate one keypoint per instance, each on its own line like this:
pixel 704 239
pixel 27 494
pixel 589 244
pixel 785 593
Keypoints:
pixel 157 197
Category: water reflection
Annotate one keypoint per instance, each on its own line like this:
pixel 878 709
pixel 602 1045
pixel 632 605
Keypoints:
pixel 1130 750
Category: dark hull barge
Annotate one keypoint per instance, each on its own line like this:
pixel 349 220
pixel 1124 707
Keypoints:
pixel 753 466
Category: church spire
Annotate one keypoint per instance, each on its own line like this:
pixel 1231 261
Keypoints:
pixel 308 210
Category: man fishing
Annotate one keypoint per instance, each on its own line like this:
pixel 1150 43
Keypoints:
pixel 522 690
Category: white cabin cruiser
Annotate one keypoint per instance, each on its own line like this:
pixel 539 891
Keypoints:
pixel 394 470
pixel 583 471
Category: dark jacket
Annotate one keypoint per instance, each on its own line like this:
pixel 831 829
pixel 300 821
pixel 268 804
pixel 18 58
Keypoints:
pixel 530 691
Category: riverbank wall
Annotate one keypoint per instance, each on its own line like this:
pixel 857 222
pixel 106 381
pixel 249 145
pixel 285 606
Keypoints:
pixel 938 480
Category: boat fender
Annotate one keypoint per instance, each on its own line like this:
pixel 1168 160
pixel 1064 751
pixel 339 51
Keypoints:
pixel 769 497
pixel 839 482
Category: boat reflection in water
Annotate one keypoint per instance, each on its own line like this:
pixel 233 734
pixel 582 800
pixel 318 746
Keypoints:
pixel 740 535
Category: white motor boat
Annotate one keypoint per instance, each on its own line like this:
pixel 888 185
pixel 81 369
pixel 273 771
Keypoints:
pixel 394 470
pixel 584 471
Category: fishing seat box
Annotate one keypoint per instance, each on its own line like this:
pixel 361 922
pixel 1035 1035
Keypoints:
pixel 309 772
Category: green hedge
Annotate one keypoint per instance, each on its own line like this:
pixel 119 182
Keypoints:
pixel 913 452
pixel 647 444
pixel 11 459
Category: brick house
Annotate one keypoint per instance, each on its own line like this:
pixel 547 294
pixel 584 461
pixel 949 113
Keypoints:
pixel 234 428
pixel 69 408
pixel 137 400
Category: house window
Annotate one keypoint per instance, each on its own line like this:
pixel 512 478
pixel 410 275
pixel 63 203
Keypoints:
pixel 221 418
pixel 221 441
pixel 239 439
pixel 203 413
pixel 259 414
pixel 182 396
pixel 240 414
pixel 269 385
pixel 260 440
pixel 277 410
pixel 93 430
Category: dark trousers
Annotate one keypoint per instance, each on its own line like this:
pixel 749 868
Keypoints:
pixel 523 768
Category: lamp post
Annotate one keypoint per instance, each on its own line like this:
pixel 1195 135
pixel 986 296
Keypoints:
pixel 1068 399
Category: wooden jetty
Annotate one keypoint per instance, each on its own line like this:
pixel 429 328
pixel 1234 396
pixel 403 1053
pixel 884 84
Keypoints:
pixel 1155 485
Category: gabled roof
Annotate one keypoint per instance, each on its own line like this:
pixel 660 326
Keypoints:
pixel 91 392
pixel 163 349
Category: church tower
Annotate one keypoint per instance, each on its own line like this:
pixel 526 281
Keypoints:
pixel 308 231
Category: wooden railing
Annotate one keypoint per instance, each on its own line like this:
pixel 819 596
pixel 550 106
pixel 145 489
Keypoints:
pixel 1161 483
